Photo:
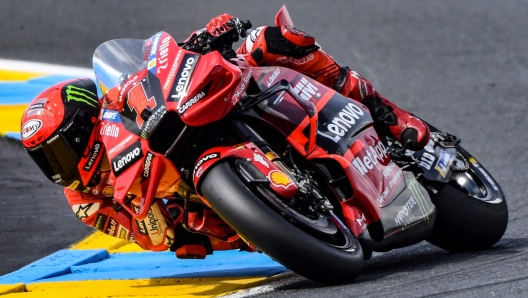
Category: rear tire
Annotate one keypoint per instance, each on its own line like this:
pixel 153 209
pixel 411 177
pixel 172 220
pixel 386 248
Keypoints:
pixel 464 223
pixel 274 234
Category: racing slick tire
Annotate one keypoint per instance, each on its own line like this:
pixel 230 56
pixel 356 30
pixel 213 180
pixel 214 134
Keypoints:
pixel 465 223
pixel 274 234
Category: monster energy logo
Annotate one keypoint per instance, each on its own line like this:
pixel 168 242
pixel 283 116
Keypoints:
pixel 81 95
pixel 406 214
pixel 414 187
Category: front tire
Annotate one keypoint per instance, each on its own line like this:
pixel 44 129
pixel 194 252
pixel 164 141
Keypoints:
pixel 274 234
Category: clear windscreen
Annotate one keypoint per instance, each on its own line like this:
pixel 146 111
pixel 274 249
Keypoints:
pixel 115 60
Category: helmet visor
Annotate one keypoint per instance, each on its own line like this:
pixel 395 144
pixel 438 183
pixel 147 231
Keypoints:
pixel 58 158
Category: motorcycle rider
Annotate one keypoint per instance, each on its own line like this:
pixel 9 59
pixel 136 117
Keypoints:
pixel 60 131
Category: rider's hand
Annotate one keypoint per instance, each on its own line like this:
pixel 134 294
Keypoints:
pixel 219 25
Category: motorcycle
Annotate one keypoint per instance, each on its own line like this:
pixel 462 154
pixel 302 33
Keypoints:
pixel 295 168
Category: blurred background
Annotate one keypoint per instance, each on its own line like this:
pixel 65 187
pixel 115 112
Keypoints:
pixel 461 65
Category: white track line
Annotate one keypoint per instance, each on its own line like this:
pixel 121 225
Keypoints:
pixel 19 65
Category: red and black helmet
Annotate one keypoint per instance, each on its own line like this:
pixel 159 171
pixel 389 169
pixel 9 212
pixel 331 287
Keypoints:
pixel 58 132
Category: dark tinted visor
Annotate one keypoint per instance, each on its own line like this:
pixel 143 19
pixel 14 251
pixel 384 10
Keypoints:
pixel 58 157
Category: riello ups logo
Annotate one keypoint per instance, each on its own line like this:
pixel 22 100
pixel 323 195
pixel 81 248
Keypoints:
pixel 127 158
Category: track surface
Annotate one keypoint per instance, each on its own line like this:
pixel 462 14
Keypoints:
pixel 462 65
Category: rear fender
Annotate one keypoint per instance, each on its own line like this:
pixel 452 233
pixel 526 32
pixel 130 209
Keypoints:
pixel 279 181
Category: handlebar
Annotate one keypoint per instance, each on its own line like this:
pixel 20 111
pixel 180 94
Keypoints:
pixel 204 43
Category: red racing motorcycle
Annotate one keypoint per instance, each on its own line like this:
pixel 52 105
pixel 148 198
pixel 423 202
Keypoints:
pixel 295 168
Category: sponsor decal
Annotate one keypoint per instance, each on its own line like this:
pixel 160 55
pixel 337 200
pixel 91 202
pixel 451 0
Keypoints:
pixel 273 76
pixel 388 169
pixel 172 70
pixel 83 211
pixel 109 130
pixel 140 223
pixel 154 46
pixel 131 237
pixel 120 145
pixel 444 162
pixel 100 222
pixel 109 115
pixel 204 159
pixel 111 229
pixel 340 125
pixel 362 221
pixel 404 212
pixel 156 225
pixel 170 238
pixel 108 191
pixel 372 155
pixel 395 179
pixel 306 90
pixel 426 161
pixel 183 76
pixel 37 105
pixel 122 233
pixel 279 99
pixel 304 60
pixel 30 128
pixel 151 64
pixel 242 88
pixel 81 95
pixel 146 166
pixel 163 54
pixel 199 172
pixel 125 87
pixel 383 196
pixel 260 159
pixel 54 138
pixel 127 158
pixel 152 120
pixel 279 179
pixel 430 146
pixel 189 103
pixel 94 153
pixel 74 185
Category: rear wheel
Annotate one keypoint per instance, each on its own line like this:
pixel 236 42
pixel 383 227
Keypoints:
pixel 471 209
pixel 320 248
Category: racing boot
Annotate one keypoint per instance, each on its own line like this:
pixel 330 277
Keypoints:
pixel 187 245
pixel 389 119
pixel 205 222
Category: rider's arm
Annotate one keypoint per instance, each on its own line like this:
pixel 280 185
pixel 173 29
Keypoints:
pixel 98 211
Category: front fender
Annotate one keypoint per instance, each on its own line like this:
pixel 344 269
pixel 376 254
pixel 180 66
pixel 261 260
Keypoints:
pixel 279 181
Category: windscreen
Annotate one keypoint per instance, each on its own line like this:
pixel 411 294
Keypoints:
pixel 115 60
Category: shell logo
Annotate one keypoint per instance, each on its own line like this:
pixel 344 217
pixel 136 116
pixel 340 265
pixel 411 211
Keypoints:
pixel 279 179
pixel 108 191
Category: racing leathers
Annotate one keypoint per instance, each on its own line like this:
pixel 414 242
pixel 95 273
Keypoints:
pixel 289 47
pixel 161 229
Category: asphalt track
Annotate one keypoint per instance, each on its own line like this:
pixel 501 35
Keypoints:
pixel 462 65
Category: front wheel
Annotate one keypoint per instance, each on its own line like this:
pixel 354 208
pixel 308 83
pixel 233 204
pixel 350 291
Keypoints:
pixel 330 259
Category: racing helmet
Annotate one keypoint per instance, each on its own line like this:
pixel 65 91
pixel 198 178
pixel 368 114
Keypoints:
pixel 58 132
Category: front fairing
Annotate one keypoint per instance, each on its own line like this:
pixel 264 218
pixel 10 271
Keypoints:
pixel 152 89
pixel 134 105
